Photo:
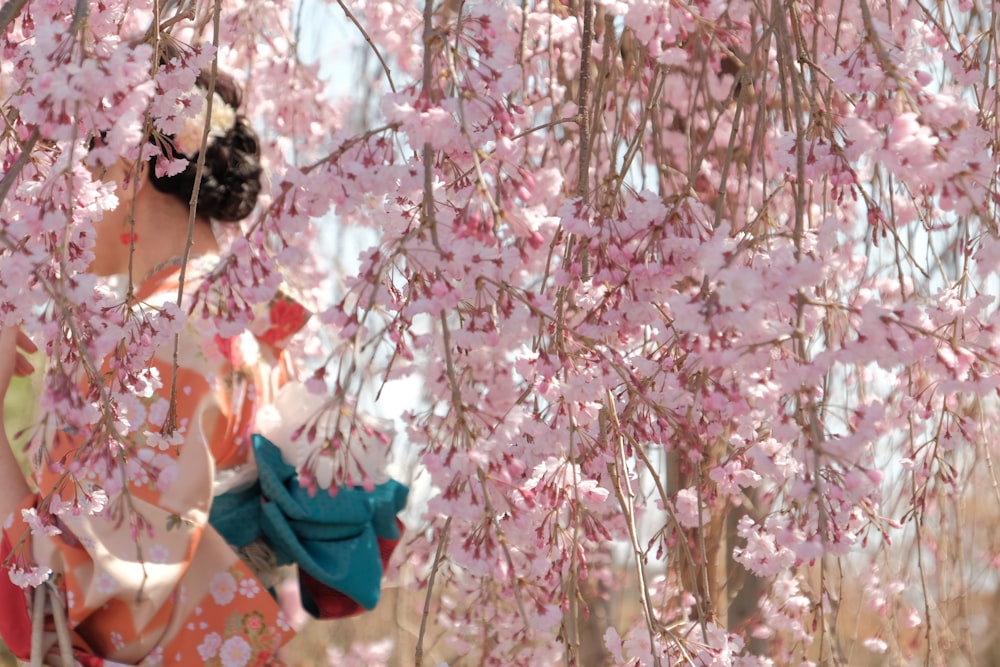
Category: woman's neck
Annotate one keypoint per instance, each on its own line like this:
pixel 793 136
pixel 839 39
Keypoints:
pixel 161 234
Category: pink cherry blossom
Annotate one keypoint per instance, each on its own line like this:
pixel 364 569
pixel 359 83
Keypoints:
pixel 30 577
pixel 38 527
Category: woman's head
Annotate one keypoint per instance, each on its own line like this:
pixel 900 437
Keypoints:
pixel 230 181
pixel 150 224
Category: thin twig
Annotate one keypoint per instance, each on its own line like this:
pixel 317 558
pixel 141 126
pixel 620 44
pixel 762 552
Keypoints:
pixel 626 500
pixel 428 150
pixel 418 652
pixel 583 99
pixel 504 547
pixel 9 12
pixel 171 422
pixel 19 164
pixel 371 44
pixel 80 12
pixel 583 113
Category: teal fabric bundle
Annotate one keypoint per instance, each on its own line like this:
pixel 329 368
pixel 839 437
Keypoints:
pixel 335 539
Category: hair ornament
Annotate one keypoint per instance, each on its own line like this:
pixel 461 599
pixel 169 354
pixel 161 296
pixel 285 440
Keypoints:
pixel 188 140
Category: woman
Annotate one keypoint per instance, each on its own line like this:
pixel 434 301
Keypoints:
pixel 171 591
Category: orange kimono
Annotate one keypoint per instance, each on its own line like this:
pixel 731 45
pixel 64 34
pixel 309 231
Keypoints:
pixel 148 581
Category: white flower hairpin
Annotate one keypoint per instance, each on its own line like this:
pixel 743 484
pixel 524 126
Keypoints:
pixel 188 139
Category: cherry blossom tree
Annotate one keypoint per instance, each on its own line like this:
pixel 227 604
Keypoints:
pixel 700 296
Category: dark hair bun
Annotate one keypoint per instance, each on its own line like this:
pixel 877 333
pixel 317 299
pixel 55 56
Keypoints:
pixel 230 181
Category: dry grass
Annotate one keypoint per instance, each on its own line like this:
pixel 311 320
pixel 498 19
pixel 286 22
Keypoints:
pixel 396 618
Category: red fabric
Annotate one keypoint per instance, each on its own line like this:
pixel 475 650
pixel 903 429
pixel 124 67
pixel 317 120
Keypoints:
pixel 287 316
pixel 88 660
pixel 15 622
pixel 330 602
